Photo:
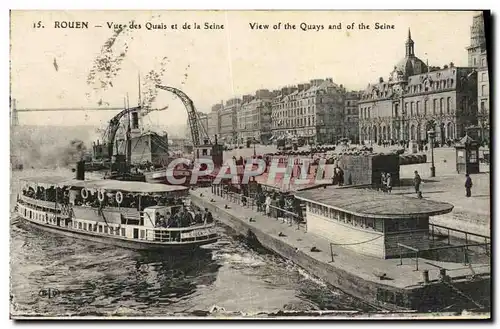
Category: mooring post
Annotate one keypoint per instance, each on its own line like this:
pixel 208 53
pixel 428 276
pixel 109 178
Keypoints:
pixel 465 255
pixel 466 241
pixel 425 275
pixel 400 256
pixel 331 252
pixel 442 274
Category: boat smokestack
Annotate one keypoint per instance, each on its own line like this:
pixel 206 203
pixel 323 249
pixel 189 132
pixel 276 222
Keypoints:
pixel 80 170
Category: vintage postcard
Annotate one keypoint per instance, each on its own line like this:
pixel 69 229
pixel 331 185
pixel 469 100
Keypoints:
pixel 250 164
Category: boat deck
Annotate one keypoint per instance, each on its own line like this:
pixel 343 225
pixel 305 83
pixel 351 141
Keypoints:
pixel 366 267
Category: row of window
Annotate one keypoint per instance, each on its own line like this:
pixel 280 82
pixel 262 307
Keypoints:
pixel 98 227
pixel 379 225
pixel 38 215
pixel 342 217
pixel 309 121
pixel 294 112
pixel 414 108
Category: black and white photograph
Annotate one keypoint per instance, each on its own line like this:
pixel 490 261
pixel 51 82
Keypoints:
pixel 250 164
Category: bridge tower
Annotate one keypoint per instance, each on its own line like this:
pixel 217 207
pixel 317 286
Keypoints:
pixel 14 116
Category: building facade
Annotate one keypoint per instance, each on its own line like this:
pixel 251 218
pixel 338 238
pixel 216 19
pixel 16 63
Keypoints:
pixel 254 118
pixel 313 111
pixel 351 116
pixel 477 56
pixel 213 121
pixel 228 120
pixel 417 98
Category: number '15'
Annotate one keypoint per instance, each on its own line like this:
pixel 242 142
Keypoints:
pixel 37 24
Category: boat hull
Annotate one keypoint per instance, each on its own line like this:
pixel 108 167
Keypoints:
pixel 117 241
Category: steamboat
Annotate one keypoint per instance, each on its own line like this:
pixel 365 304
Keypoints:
pixel 135 215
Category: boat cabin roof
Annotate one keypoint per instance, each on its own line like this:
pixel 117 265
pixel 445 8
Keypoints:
pixel 49 181
pixel 104 184
pixel 131 187
pixel 374 204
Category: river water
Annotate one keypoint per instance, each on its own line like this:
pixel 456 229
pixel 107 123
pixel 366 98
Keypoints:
pixel 98 280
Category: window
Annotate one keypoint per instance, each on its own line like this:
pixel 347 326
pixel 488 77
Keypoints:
pixel 484 90
pixel 434 106
pixel 483 62
pixel 79 225
pixel 106 229
pixel 448 105
pixel 100 228
pixel 123 231
pixel 440 106
pixel 84 226
pixel 391 225
pixel 412 105
pixel 425 106
pixel 474 62
pixel 418 107
pixel 483 77
pixel 482 106
pixel 142 234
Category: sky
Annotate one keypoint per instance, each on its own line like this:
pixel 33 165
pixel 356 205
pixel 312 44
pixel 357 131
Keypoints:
pixel 211 65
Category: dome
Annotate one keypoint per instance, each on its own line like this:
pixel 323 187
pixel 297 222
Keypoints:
pixel 411 65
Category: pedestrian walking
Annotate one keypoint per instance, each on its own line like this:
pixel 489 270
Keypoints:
pixel 389 183
pixel 468 186
pixel 268 205
pixel 383 181
pixel 417 181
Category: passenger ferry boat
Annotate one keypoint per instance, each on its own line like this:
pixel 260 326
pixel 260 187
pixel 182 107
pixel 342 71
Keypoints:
pixel 134 215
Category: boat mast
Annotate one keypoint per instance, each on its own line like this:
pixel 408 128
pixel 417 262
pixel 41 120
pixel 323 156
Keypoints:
pixel 140 101
pixel 128 141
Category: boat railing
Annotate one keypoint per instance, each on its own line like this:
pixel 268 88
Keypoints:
pixel 405 250
pixel 181 234
pixel 41 203
pixel 436 230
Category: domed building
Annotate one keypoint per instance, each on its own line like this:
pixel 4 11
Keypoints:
pixel 416 98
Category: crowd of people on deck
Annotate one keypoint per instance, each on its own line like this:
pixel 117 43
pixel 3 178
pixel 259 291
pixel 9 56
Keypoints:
pixel 184 218
pixel 51 194
pixel 129 200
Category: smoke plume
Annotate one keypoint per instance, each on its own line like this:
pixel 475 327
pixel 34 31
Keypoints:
pixel 47 147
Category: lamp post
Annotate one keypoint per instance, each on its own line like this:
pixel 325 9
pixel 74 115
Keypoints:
pixel 432 134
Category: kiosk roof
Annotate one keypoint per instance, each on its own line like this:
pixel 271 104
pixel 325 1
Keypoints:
pixel 369 203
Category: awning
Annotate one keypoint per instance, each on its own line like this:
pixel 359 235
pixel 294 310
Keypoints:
pixel 131 187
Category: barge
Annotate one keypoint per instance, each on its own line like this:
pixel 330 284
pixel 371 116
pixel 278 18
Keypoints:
pixel 134 215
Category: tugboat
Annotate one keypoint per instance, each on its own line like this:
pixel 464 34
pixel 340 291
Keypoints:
pixel 135 215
